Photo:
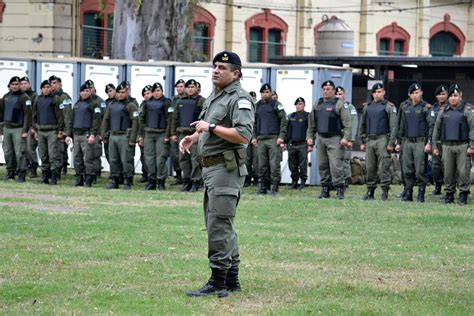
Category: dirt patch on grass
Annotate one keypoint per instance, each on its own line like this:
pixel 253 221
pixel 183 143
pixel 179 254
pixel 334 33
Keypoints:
pixel 156 203
pixel 24 195
pixel 44 207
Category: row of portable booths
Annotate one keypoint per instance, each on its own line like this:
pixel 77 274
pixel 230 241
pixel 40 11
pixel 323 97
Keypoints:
pixel 290 82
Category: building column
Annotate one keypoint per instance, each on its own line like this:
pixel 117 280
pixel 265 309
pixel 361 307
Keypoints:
pixel 229 25
pixel 422 39
pixel 469 48
pixel 366 35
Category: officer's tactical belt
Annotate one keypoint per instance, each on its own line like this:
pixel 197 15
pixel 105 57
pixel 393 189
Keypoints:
pixel 210 161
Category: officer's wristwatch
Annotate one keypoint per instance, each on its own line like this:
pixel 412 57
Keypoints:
pixel 212 127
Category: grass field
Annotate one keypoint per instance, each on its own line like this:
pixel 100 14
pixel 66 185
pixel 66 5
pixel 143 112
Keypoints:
pixel 67 250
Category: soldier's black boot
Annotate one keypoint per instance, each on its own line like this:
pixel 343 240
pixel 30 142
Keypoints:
pixel 114 183
pixel 408 196
pixel 215 286
pixel 21 177
pixel 32 172
pixel 293 185
pixel 127 183
pixel 232 282
pixel 186 185
pixel 55 176
pixel 94 178
pixel 384 196
pixel 64 170
pixel 248 180
pixel 161 184
pixel 178 178
pixel 324 192
pixel 340 189
pixel 263 187
pixel 79 181
pixel 463 197
pixel 194 186
pixel 255 181
pixel 449 198
pixel 151 185
pixel 421 194
pixel 45 177
pixel 302 184
pixel 401 195
pixel 120 179
pixel 144 178
pixel 275 188
pixel 437 189
pixel 88 181
pixel 9 176
pixel 369 195
pixel 346 184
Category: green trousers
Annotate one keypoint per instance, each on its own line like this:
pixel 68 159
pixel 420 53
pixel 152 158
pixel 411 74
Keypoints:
pixel 377 162
pixel 14 150
pixel 48 145
pixel 298 162
pixel 437 167
pixel 457 168
pixel 121 156
pixel 269 158
pixel 32 155
pixel 347 163
pixel 156 153
pixel 84 155
pixel 189 163
pixel 330 160
pixel 414 163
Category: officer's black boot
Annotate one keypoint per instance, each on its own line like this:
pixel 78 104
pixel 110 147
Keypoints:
pixel 463 197
pixel 293 185
pixel 263 187
pixel 384 196
pixel 9 176
pixel 248 180
pixel 178 178
pixel 64 170
pixel 194 186
pixel 32 172
pixel 21 177
pixel 186 185
pixel 324 192
pixel 151 185
pixel 114 183
pixel 215 285
pixel 161 185
pixel 45 177
pixel 127 183
pixel 120 179
pixel 421 194
pixel 232 282
pixel 408 196
pixel 302 183
pixel 79 181
pixel 369 195
pixel 341 188
pixel 402 194
pixel 275 188
pixel 94 178
pixel 88 181
pixel 144 178
pixel 55 176
pixel 437 189
pixel 255 181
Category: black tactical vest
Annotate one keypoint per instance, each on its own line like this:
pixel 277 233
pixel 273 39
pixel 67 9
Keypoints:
pixel 267 118
pixel 326 118
pixel 156 113
pixel 376 118
pixel 82 113
pixel 188 112
pixel 297 126
pixel 13 109
pixel 416 124
pixel 454 126
pixel 45 110
pixel 119 119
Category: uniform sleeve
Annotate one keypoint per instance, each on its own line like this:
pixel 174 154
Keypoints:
pixel 255 123
pixel 95 118
pixel 282 116
pixel 34 119
pixel 201 101
pixel 354 122
pixel 66 107
pixel 436 137
pixel 344 113
pixel 133 113
pixel 392 121
pixel 142 119
pixel 470 122
pixel 59 113
pixel 169 114
pixel 105 124
pixel 243 116
pixel 310 133
pixel 174 119
pixel 27 109
pixel 289 130
pixel 400 123
pixel 362 127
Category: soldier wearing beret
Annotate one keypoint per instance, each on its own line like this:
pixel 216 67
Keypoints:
pixel 297 148
pixel 31 142
pixel 185 112
pixel 15 114
pixel 414 139
pixel 269 136
pixel 454 129
pixel 377 129
pixel 110 90
pixel 252 156
pixel 147 95
pixel 174 150
pixel 222 133
pixel 331 120
pixel 121 124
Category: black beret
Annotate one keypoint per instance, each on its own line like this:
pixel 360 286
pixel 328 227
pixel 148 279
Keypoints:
pixel 228 58
pixel 124 83
pixel 413 87
pixel 377 86
pixel 265 87
pixel 84 87
pixel 122 86
pixel 441 88
pixel 190 82
pixel 300 99
pixel 198 84
pixel 44 83
pixel 253 94
pixel 157 85
pixel 108 87
pixel 328 83
pixel 25 78
pixel 90 83
pixel 339 89
pixel 178 82
pixel 53 78
pixel 14 79
pixel 146 88
pixel 454 88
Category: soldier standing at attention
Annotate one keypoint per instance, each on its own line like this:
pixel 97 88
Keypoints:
pixel 110 90
pixel 187 111
pixel 48 128
pixel 441 94
pixel 31 142
pixel 121 120
pixel 84 125
pixel 146 94
pixel 415 139
pixel 297 148
pixel 15 114
pixel 331 120
pixel 377 129
pixel 174 152
pixel 154 133
pixel 454 129
pixel 341 94
pixel 252 156
pixel 222 134
pixel 269 137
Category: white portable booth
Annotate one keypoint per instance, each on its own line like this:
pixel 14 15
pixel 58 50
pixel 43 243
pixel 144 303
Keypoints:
pixel 201 72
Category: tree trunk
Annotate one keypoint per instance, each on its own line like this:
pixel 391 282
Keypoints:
pixel 152 29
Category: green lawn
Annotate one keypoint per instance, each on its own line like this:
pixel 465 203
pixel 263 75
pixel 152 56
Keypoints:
pixel 66 250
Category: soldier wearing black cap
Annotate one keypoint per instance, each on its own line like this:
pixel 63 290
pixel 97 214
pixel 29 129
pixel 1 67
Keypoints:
pixel 252 156
pixel 441 95
pixel 82 129
pixel 377 129
pixel 185 112
pixel 269 136
pixel 297 148
pixel 454 129
pixel 331 120
pixel 48 122
pixel 15 113
pixel 414 139
pixel 31 143
pixel 174 151
pixel 110 90
pixel 222 132
pixel 147 95
pixel 121 123
pixel 154 132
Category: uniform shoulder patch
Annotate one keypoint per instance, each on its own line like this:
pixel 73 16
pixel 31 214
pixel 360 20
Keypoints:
pixel 135 114
pixel 353 111
pixel 28 102
pixel 394 109
pixel 244 104
pixel 432 113
pixel 280 107
pixel 67 102
pixel 103 105
pixel 97 110
pixel 61 106
pixel 170 109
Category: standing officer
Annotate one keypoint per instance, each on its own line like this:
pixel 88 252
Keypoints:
pixel 121 120
pixel 224 129
pixel 174 150
pixel 252 156
pixel 270 131
pixel 31 142
pixel 341 94
pixel 377 129
pixel 441 94
pixel 84 125
pixel 454 128
pixel 110 90
pixel 147 95
pixel 154 134
pixel 185 112
pixel 414 140
pixel 297 148
pixel 15 113
pixel 331 119
pixel 48 128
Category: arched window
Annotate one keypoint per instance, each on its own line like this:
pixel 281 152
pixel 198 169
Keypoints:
pixel 204 25
pixel 97 27
pixel 446 39
pixel 266 36
pixel 392 40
